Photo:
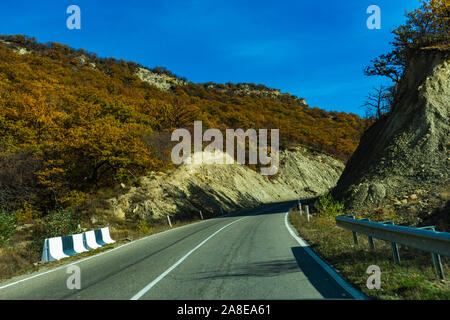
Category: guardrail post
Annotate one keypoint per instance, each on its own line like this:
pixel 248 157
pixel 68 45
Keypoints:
pixel 369 238
pixel 438 266
pixel 395 252
pixel 355 238
pixel 437 263
pixel 371 244
pixel 355 235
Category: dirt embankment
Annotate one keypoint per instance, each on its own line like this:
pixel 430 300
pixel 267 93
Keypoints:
pixel 190 188
pixel 403 160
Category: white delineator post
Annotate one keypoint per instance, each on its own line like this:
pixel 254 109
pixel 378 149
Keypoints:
pixel 307 212
pixel 170 223
pixel 300 207
pixel 201 215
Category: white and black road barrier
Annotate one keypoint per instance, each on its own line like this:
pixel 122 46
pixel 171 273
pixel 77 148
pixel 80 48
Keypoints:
pixel 58 248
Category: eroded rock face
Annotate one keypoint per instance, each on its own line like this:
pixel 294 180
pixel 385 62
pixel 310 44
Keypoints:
pixel 409 149
pixel 191 188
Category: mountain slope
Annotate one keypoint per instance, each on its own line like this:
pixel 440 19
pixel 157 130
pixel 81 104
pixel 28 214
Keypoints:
pixel 71 122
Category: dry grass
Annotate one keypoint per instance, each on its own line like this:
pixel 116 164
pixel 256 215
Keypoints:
pixel 14 261
pixel 22 258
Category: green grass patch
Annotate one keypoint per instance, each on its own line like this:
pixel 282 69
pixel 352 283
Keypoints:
pixel 413 279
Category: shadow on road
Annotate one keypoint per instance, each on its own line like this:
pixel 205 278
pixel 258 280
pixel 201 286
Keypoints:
pixel 268 208
pixel 301 262
pixel 257 269
pixel 318 277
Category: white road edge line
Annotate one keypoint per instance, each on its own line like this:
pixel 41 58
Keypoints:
pixel 95 256
pixel 352 291
pixel 138 295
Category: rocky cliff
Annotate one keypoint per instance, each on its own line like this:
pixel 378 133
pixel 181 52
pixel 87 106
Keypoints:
pixel 403 160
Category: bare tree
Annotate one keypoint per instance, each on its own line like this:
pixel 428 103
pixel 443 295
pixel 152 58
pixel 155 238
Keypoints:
pixel 378 101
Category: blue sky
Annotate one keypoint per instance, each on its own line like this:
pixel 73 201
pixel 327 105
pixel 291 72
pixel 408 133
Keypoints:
pixel 313 49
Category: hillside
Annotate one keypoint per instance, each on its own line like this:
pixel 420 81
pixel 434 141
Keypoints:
pixel 72 123
pixel 210 188
pixel 403 160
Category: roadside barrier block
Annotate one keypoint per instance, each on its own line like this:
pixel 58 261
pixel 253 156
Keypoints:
pixel 58 248
pixel 53 249
pixel 106 235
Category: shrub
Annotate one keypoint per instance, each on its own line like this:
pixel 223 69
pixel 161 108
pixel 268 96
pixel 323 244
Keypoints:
pixel 7 227
pixel 55 224
pixel 380 214
pixel 328 207
pixel 26 214
pixel 73 199
pixel 142 227
pixel 62 222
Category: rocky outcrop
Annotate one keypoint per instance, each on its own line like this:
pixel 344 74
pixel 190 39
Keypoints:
pixel 16 48
pixel 190 188
pixel 161 81
pixel 253 90
pixel 404 159
pixel 167 82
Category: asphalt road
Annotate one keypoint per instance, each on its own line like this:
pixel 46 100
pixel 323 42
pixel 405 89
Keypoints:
pixel 251 255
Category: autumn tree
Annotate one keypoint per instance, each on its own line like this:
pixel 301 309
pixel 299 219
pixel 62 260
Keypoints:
pixel 176 113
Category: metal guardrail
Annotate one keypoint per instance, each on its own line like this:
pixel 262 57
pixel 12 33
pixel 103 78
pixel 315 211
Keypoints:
pixel 426 238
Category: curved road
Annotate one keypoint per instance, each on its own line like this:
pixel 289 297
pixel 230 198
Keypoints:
pixel 251 255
